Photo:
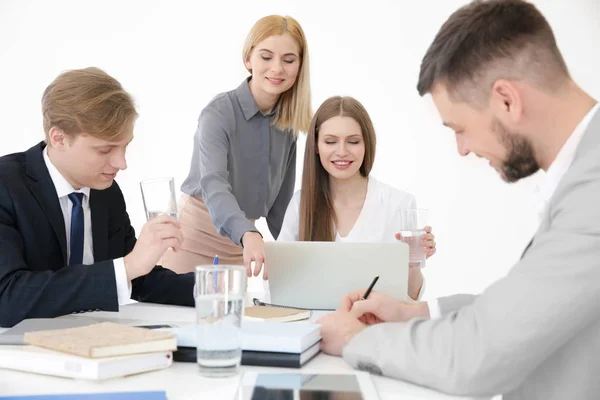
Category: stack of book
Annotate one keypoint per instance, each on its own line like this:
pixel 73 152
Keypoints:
pixel 264 343
pixel 98 351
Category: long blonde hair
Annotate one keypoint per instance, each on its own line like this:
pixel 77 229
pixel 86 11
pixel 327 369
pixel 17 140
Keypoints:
pixel 317 214
pixel 294 110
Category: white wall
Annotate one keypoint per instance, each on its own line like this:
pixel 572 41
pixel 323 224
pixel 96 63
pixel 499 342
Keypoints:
pixel 174 56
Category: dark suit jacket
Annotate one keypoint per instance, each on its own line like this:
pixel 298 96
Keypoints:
pixel 35 280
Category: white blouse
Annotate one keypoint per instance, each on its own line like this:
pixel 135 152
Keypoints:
pixel 378 221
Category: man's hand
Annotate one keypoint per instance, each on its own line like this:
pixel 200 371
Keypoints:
pixel 254 250
pixel 337 329
pixel 382 308
pixel 156 237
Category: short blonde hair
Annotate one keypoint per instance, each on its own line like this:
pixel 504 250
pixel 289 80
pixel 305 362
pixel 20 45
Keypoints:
pixel 88 100
pixel 294 111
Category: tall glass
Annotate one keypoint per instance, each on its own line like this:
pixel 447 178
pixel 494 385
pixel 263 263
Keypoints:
pixel 219 293
pixel 159 197
pixel 412 227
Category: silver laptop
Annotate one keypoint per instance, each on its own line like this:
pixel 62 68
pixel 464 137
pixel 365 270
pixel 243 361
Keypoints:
pixel 317 275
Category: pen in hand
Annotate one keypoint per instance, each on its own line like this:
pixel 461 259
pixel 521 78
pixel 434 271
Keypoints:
pixel 364 297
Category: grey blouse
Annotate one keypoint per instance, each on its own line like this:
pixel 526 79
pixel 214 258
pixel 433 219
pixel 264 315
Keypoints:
pixel 242 166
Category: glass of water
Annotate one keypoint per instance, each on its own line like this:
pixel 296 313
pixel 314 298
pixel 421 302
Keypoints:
pixel 159 197
pixel 219 293
pixel 412 227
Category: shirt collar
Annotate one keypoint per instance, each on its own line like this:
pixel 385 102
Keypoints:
pixel 247 102
pixel 63 187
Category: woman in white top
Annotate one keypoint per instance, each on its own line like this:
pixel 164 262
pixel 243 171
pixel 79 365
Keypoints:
pixel 339 201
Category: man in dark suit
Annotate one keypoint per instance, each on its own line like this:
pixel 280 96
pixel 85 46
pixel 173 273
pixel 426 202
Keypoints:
pixel 66 242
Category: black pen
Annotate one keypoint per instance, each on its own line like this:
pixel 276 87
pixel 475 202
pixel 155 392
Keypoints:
pixel 364 297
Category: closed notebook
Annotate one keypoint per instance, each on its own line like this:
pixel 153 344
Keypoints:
pixel 283 360
pixel 259 358
pixel 103 340
pixel 48 362
pixel 276 314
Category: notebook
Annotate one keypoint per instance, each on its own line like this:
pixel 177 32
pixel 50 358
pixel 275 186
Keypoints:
pixel 16 334
pixel 278 359
pixel 47 362
pixel 103 340
pixel 275 314
pixel 263 336
pixel 259 358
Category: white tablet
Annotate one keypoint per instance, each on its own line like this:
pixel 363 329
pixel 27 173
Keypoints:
pixel 355 385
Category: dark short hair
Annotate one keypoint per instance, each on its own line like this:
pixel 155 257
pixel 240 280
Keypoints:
pixel 510 36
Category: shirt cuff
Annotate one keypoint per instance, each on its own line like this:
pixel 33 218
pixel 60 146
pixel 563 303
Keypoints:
pixel 249 230
pixel 434 309
pixel 123 285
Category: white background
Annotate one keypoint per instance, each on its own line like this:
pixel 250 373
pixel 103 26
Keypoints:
pixel 174 56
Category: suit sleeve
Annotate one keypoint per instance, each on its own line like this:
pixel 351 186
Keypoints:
pixel 455 302
pixel 46 294
pixel 492 344
pixel 161 285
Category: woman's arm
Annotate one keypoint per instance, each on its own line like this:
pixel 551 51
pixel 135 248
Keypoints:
pixel 415 283
pixel 212 147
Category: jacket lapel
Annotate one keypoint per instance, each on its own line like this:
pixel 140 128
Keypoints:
pixel 45 193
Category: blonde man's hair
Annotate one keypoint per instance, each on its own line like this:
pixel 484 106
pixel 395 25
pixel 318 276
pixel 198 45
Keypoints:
pixel 88 101
pixel 294 110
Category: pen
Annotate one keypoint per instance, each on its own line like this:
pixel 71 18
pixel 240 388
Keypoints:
pixel 368 292
pixel 215 275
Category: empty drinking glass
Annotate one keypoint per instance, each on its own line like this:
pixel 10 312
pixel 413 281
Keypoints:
pixel 158 195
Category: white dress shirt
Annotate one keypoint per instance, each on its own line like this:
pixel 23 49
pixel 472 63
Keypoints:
pixel 552 178
pixel 63 189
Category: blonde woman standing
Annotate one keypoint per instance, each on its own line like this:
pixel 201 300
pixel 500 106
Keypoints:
pixel 244 160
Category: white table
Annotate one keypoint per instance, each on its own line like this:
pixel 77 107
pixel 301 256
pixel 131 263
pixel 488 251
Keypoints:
pixel 181 380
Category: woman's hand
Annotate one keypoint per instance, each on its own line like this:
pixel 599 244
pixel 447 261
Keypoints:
pixel 427 241
pixel 254 250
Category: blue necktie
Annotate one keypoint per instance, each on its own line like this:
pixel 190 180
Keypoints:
pixel 77 233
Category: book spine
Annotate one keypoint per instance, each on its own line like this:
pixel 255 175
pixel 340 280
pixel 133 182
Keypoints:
pixel 265 359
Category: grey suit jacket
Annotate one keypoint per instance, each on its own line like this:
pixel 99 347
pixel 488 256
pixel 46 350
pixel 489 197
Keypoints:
pixel 534 334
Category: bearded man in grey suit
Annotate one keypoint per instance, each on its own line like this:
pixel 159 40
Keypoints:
pixel 500 83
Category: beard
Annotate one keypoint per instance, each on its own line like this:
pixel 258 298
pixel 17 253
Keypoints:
pixel 520 162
